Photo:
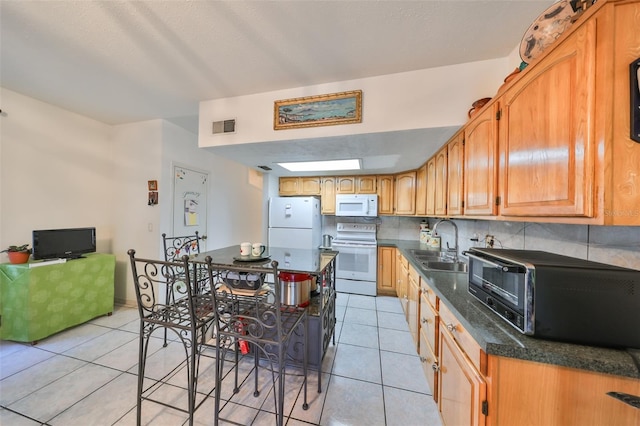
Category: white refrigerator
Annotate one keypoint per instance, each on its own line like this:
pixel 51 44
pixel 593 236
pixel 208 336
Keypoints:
pixel 295 222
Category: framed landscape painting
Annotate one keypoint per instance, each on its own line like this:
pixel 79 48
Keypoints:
pixel 323 110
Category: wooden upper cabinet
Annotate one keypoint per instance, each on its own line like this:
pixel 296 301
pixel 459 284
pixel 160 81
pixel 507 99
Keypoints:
pixel 299 186
pixel 386 191
pixel 455 165
pixel 346 185
pixel 547 151
pixel 481 164
pixel 310 186
pixel 366 184
pixel 405 203
pixel 421 190
pixel 441 182
pixel 431 186
pixel 289 186
pixel 328 195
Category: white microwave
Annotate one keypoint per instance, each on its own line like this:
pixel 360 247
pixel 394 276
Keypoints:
pixel 365 205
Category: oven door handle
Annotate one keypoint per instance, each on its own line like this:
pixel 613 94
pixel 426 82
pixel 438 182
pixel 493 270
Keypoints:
pixel 504 267
pixel 334 244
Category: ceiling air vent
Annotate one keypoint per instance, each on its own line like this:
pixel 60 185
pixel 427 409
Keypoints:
pixel 224 126
pixel 265 168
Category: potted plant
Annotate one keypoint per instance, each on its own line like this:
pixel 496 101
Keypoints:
pixel 18 254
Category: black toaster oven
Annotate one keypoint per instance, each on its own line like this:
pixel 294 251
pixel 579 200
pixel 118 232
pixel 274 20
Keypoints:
pixel 559 297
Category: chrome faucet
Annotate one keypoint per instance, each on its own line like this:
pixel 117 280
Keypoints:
pixel 455 227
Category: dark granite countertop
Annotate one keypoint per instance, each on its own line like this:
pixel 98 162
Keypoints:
pixel 290 260
pixel 497 337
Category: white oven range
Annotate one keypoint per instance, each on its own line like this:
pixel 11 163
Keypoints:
pixel 356 264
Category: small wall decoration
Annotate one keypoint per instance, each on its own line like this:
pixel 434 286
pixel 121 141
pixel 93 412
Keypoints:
pixel 323 110
pixel 191 216
pixel 153 198
pixel 153 185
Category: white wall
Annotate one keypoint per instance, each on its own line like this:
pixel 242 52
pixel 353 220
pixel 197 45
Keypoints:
pixel 137 150
pixel 56 171
pixel 436 97
pixel 75 171
pixel 147 151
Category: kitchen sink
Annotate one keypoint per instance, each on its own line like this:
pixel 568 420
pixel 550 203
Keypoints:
pixel 450 266
pixel 431 255
pixel 436 260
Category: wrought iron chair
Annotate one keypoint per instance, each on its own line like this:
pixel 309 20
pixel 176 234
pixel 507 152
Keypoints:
pixel 251 318
pixel 188 245
pixel 185 312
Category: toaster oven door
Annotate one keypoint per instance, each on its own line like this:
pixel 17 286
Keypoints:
pixel 503 281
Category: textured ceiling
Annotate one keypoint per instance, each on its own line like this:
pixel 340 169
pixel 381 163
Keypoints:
pixel 127 61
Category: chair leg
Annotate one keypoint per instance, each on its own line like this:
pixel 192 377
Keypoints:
pixel 218 381
pixel 256 361
pixel 281 380
pixel 141 359
pixel 305 360
pixel 192 375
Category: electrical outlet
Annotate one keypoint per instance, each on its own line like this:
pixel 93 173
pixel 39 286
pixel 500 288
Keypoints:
pixel 489 241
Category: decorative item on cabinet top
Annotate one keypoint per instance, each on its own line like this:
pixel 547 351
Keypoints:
pixel 549 26
pixel 477 106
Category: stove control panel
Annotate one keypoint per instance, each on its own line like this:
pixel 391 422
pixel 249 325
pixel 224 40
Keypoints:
pixel 356 227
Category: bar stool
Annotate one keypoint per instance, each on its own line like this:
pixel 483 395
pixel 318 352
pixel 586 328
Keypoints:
pixel 186 313
pixel 250 317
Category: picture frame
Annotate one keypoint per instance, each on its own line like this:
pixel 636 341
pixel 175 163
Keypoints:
pixel 153 185
pixel 322 110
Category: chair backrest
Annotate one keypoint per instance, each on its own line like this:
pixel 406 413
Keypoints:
pixel 245 303
pixel 163 290
pixel 176 247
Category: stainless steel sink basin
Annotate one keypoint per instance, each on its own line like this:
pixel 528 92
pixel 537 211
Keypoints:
pixel 417 252
pixel 428 255
pixel 445 266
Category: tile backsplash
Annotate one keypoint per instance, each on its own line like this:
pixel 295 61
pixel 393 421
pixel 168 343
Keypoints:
pixel 615 245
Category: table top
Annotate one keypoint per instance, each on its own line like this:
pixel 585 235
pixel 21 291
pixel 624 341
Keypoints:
pixel 311 261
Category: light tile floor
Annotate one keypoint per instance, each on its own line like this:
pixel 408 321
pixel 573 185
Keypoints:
pixel 87 376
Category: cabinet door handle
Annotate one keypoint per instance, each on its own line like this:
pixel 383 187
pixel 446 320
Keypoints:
pixel 451 327
pixel 632 400
pixel 425 320
pixel 435 367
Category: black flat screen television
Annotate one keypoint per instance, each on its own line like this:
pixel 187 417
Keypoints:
pixel 63 243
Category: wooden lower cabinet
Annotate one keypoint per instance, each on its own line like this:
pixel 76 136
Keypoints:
pixel 461 389
pixel 429 365
pixel 413 304
pixel 474 388
pixel 386 271
pixel 531 393
pixel 402 280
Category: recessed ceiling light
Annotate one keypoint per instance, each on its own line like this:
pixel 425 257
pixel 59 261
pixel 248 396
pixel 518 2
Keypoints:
pixel 322 166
